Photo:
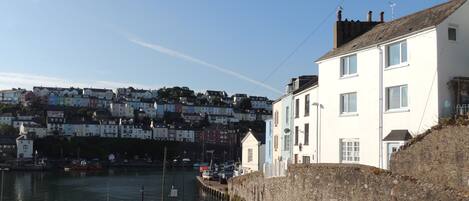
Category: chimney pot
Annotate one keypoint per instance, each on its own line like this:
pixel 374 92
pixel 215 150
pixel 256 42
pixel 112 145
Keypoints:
pixel 381 17
pixel 370 15
pixel 339 16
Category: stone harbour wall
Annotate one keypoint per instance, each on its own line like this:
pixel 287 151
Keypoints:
pixel 433 166
pixel 441 157
pixel 336 182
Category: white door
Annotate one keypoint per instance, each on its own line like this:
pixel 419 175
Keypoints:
pixel 392 147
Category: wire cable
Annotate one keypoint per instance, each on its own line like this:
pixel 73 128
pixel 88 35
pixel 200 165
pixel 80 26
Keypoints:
pixel 339 5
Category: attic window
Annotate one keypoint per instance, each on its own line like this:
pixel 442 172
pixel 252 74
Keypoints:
pixel 452 34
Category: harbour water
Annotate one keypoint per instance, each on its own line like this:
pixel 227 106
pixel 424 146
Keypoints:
pixel 108 185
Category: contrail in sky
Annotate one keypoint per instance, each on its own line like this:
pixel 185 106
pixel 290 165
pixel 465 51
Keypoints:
pixel 22 80
pixel 176 54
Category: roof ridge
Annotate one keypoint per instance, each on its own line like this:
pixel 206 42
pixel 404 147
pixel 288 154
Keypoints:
pixel 393 29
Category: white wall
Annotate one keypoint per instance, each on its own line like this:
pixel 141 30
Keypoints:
pixel 24 148
pixel 453 59
pixel 422 83
pixel 310 149
pixel 250 143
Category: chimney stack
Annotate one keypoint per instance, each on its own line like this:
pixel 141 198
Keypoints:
pixel 381 17
pixel 370 16
pixel 345 31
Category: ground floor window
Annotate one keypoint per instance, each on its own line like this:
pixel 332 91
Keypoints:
pixel 306 160
pixel 349 150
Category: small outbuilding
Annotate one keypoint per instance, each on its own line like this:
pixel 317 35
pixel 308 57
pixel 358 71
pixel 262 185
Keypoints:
pixel 253 148
pixel 24 147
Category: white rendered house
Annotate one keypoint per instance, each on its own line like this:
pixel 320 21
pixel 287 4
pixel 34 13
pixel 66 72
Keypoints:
pixel 394 77
pixel 305 135
pixel 24 147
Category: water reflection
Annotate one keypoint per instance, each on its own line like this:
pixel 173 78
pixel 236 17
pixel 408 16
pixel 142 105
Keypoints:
pixel 120 184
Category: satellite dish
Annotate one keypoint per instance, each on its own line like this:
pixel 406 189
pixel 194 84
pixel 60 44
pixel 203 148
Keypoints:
pixel 286 130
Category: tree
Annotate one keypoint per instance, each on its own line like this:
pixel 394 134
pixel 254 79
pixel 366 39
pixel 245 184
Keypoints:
pixel 245 104
pixel 8 130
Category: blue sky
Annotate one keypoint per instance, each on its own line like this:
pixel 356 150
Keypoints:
pixel 202 44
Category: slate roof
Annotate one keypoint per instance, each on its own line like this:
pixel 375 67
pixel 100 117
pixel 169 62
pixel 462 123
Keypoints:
pixel 398 135
pixel 397 28
pixel 307 85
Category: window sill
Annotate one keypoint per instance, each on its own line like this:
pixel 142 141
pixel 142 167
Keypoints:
pixel 349 114
pixel 400 110
pixel 348 76
pixel 403 65
pixel 453 41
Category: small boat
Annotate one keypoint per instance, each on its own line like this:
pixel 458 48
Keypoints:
pixel 83 166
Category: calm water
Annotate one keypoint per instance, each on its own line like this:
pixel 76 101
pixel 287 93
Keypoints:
pixel 112 185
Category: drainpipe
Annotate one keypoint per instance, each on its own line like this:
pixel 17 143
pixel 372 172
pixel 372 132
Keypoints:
pixel 381 105
pixel 317 130
pixel 320 132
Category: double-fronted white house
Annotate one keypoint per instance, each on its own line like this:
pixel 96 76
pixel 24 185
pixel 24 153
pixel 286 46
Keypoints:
pixel 384 82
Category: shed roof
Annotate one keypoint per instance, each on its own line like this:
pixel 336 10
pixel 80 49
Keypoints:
pixel 398 135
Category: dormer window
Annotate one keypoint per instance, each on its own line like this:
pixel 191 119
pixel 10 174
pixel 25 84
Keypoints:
pixel 396 53
pixel 348 65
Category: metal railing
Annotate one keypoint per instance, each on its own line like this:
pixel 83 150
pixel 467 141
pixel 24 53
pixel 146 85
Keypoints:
pixel 462 109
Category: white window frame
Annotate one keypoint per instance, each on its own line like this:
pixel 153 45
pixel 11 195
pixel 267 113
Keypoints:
pixel 344 109
pixel 401 62
pixel 349 150
pixel 401 106
pixel 250 155
pixel 345 70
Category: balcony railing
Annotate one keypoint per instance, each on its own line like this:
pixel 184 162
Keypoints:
pixel 462 109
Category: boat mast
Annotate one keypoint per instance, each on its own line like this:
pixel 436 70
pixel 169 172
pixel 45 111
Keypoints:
pixel 164 168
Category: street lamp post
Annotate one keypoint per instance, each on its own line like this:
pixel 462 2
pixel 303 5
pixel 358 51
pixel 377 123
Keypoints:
pixel 318 109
